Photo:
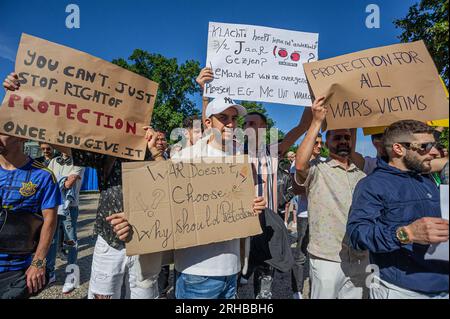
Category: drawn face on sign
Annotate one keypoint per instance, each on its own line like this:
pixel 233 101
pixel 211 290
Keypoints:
pixel 289 58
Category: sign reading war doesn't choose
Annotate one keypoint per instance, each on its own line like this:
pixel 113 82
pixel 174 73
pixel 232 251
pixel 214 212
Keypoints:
pixel 377 87
pixel 259 64
pixel 174 205
pixel 70 98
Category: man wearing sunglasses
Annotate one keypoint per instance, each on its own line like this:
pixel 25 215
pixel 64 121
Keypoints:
pixel 47 154
pixel 396 215
pixel 337 270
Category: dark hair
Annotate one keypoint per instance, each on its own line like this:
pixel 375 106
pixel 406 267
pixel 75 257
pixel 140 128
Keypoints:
pixel 397 130
pixel 40 143
pixel 377 136
pixel 262 116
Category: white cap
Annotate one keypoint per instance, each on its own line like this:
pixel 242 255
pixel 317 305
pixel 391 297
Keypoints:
pixel 220 104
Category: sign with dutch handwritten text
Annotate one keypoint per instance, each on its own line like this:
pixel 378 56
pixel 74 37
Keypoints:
pixel 70 98
pixel 262 64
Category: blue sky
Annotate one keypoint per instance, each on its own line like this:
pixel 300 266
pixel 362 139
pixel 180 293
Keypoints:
pixel 176 28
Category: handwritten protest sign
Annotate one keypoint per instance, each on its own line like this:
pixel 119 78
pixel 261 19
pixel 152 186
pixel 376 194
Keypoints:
pixel 70 98
pixel 259 64
pixel 379 86
pixel 173 205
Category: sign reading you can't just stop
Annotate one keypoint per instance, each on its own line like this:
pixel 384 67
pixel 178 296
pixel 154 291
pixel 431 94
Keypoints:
pixel 70 98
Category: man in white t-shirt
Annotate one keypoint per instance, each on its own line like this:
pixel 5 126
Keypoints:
pixel 209 271
pixel 70 179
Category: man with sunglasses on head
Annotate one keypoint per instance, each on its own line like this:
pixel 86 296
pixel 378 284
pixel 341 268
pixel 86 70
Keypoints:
pixel 396 215
pixel 337 270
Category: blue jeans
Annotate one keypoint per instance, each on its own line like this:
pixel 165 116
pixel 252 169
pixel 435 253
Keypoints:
pixel 69 224
pixel 205 287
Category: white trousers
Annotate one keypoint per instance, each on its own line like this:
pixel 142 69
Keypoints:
pixel 331 280
pixel 110 267
pixel 384 290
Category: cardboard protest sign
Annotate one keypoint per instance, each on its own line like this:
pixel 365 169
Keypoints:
pixel 255 63
pixel 436 123
pixel 70 98
pixel 379 86
pixel 173 205
pixel 380 129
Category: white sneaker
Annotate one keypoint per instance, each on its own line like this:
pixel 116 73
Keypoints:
pixel 297 295
pixel 68 288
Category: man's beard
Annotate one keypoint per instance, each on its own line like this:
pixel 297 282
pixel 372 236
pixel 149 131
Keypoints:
pixel 342 150
pixel 413 164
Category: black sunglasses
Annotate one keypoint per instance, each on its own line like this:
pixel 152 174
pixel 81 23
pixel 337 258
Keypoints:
pixel 422 147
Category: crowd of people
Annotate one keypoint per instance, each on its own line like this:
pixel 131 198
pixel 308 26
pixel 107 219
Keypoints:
pixel 350 212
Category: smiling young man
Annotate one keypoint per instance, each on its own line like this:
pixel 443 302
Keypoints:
pixel 207 271
pixel 396 215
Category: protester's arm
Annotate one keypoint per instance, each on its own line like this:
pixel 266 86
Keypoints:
pixel 36 276
pixel 363 228
pixel 294 134
pixel 76 174
pixel 50 200
pixel 71 180
pixel 150 136
pixel 438 164
pixel 304 152
pixel 356 157
pixel 366 232
pixel 206 75
pixel 11 82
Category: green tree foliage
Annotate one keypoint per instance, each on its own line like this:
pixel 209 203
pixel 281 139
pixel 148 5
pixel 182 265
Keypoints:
pixel 428 21
pixel 258 107
pixel 444 138
pixel 176 86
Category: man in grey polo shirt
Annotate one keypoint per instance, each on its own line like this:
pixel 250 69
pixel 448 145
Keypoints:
pixel 337 270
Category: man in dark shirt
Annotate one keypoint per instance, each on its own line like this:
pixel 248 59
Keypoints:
pixel 396 215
